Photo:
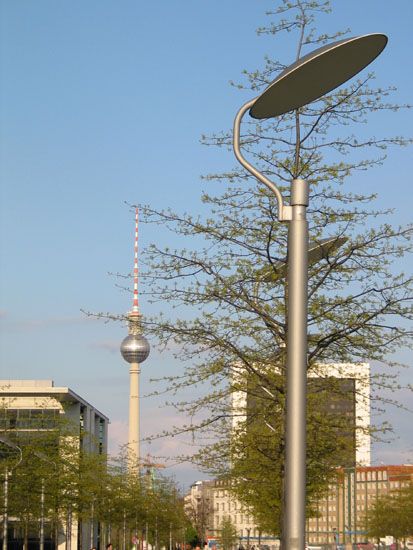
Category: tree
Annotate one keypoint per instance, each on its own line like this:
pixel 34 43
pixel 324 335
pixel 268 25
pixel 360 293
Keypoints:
pixel 392 515
pixel 53 464
pixel 83 486
pixel 199 512
pixel 130 503
pixel 232 274
pixel 228 534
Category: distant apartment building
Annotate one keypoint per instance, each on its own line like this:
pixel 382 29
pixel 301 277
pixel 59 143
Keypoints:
pixel 198 506
pixel 209 502
pixel 30 405
pixel 341 514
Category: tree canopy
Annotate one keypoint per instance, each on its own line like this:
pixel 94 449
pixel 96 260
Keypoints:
pixel 392 515
pixel 228 284
pixel 228 534
pixel 84 486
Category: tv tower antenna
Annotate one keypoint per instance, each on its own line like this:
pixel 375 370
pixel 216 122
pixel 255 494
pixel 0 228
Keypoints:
pixel 134 349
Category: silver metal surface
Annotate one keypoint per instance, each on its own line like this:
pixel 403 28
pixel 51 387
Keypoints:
pixel 296 372
pixel 317 251
pixel 135 348
pixel 283 211
pixel 5 508
pixel 41 544
pixel 317 73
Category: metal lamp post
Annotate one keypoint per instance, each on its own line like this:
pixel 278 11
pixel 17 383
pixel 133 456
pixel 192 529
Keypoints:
pixel 43 457
pixel 7 473
pixel 306 80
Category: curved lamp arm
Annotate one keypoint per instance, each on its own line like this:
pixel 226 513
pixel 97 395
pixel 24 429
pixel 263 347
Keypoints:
pixel 284 212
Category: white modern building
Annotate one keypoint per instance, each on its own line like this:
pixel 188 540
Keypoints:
pixel 209 502
pixel 355 379
pixel 357 395
pixel 35 404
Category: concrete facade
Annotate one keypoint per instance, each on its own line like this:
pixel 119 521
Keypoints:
pixel 21 400
pixel 209 502
pixel 342 512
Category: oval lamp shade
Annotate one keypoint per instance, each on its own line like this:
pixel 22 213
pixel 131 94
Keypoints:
pixel 317 73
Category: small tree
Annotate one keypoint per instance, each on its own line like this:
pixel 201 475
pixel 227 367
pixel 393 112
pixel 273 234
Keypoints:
pixel 54 464
pixel 199 513
pixel 228 533
pixel 392 515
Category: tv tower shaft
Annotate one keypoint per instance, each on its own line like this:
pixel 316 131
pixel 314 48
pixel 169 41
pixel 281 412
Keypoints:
pixel 134 349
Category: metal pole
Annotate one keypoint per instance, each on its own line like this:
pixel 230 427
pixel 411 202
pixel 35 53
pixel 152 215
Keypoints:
pixel 170 536
pixel 124 529
pixel 146 536
pixel 296 373
pixel 69 529
pixel 42 516
pixel 349 517
pixel 6 504
pixel 92 525
pixel 156 533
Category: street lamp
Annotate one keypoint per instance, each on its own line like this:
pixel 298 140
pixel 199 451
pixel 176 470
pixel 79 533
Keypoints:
pixel 43 457
pixel 8 472
pixel 304 81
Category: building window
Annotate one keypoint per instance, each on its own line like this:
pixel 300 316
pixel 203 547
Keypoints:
pixel 101 434
pixel 28 419
pixel 82 418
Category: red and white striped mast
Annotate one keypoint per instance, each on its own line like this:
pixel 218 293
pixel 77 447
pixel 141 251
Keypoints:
pixel 135 307
pixel 134 349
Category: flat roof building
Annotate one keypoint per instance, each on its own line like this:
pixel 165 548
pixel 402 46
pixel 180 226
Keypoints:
pixel 209 503
pixel 345 388
pixel 341 513
pixel 27 406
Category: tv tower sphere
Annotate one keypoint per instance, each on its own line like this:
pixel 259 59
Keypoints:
pixel 135 348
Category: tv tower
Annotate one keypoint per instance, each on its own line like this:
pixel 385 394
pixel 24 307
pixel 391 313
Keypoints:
pixel 134 349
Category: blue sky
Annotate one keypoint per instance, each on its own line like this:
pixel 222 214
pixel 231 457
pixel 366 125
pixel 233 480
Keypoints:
pixel 104 102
